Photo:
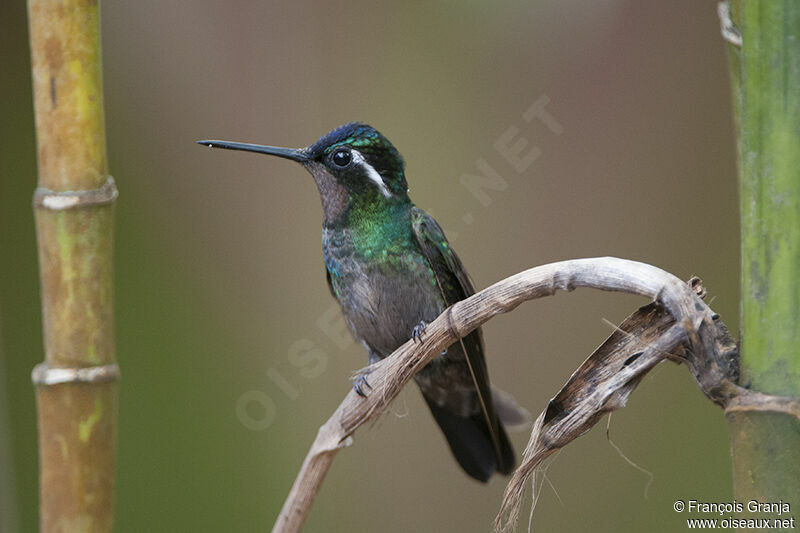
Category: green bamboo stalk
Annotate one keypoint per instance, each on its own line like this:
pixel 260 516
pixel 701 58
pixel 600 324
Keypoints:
pixel 765 78
pixel 76 387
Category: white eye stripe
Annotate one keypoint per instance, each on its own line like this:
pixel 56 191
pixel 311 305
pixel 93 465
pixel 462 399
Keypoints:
pixel 372 174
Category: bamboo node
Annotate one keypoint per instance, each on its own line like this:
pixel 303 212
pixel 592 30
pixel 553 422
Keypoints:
pixel 728 29
pixel 60 201
pixel 43 375
pixel 750 400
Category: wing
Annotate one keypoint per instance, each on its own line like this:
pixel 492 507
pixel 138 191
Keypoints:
pixel 455 285
pixel 438 252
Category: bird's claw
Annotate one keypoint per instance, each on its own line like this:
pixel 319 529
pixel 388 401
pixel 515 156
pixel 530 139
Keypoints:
pixel 360 383
pixel 419 331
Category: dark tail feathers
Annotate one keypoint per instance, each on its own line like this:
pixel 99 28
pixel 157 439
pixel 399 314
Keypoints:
pixel 471 443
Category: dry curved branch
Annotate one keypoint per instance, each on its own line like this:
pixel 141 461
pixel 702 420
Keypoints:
pixel 677 326
pixel 389 376
pixel 609 376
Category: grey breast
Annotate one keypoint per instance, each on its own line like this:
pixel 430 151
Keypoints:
pixel 383 307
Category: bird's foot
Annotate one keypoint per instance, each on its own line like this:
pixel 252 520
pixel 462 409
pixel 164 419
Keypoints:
pixel 360 383
pixel 419 331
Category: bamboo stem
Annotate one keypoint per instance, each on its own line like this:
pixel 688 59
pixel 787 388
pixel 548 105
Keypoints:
pixel 76 386
pixel 765 79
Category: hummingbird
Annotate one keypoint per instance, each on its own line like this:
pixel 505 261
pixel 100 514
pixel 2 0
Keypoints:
pixel 392 270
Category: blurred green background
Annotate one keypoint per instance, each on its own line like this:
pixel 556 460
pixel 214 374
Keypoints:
pixel 219 275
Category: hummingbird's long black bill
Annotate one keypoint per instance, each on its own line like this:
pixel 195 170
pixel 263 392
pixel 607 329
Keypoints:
pixel 288 153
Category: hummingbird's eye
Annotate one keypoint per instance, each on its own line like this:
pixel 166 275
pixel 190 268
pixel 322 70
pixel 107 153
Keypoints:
pixel 341 158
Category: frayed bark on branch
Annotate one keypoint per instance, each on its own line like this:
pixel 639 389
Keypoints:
pixel 607 378
pixel 677 326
